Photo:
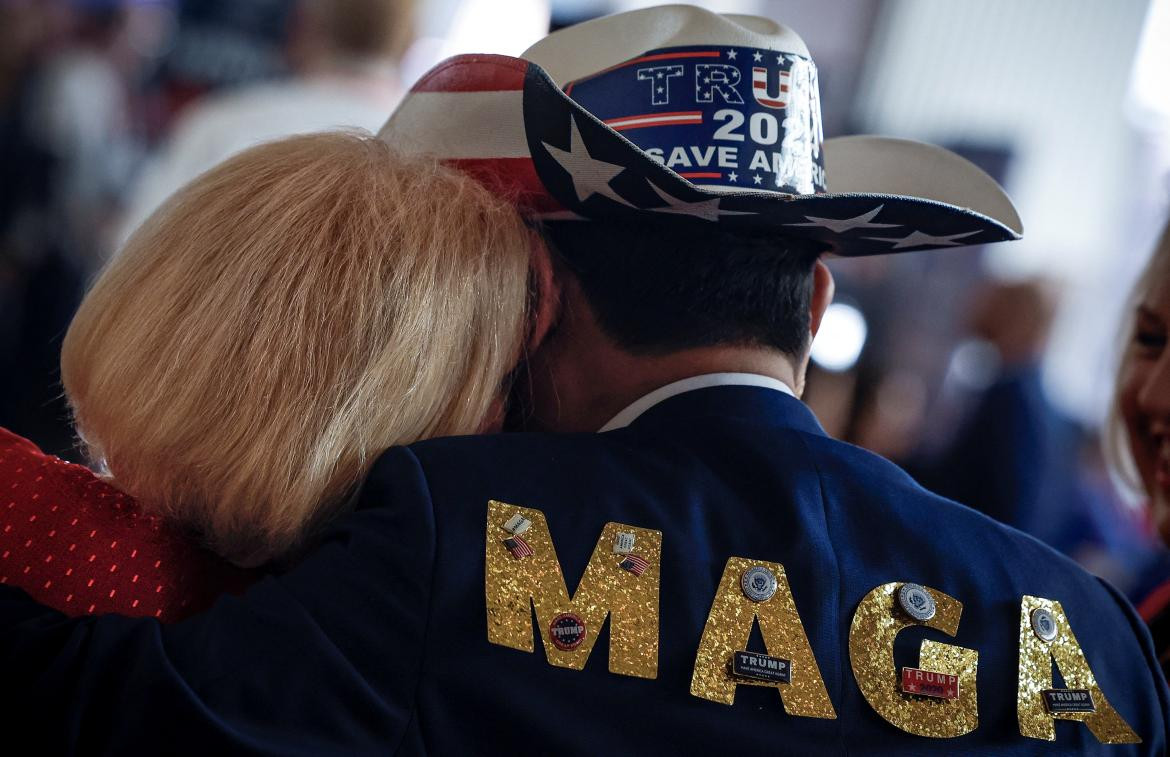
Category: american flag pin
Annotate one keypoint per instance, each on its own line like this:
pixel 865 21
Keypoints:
pixel 517 524
pixel 518 547
pixel 635 564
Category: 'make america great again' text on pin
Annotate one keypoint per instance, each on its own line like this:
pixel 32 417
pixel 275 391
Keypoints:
pixel 1068 700
pixel 761 667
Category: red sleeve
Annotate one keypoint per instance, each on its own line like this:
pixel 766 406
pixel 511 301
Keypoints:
pixel 77 544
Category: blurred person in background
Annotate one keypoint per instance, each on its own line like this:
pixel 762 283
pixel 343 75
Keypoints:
pixel 1017 458
pixel 67 152
pixel 1138 441
pixel 260 341
pixel 1012 443
pixel 343 55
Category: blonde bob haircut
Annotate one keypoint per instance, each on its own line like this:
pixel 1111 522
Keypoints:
pixel 285 318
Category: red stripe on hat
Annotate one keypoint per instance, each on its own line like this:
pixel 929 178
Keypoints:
pixel 514 179
pixel 701 175
pixel 474 73
pixel 657 115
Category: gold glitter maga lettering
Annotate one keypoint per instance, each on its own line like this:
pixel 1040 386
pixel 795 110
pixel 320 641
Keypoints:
pixel 606 589
pixel 729 624
pixel 1036 658
pixel 876 623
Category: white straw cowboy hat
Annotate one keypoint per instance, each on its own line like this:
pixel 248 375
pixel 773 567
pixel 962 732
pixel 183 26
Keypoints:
pixel 706 118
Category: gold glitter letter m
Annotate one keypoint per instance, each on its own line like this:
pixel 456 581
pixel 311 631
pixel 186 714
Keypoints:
pixel 511 584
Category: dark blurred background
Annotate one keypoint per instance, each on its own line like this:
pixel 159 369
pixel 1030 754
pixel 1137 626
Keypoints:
pixel 986 373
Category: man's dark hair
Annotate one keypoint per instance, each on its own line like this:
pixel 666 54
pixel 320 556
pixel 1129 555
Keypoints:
pixel 662 287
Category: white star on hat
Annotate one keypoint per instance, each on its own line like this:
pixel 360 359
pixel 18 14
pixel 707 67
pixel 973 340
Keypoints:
pixel 756 56
pixel 589 175
pixel 839 225
pixel 731 54
pixel 756 178
pixel 918 239
pixel 733 176
pixel 708 210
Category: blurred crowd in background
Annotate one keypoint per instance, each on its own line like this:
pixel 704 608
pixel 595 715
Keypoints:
pixel 985 374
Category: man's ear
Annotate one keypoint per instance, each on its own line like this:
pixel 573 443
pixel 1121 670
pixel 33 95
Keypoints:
pixel 822 296
pixel 546 294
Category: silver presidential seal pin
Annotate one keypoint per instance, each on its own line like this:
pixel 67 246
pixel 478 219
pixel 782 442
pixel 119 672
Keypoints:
pixel 1043 624
pixel 758 583
pixel 916 602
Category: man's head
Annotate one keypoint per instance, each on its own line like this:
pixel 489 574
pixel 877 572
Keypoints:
pixel 590 123
pixel 649 303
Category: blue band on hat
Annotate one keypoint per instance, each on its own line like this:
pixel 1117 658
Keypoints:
pixel 729 117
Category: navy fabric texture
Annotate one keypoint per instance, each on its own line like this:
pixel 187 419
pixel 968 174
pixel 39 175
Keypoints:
pixel 376 643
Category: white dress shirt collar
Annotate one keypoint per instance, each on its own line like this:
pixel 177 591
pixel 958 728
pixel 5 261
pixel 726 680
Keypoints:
pixel 641 405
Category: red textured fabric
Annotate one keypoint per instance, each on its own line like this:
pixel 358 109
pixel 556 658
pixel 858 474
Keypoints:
pixel 79 545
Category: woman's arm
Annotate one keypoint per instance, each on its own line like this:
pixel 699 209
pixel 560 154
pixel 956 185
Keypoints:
pixel 324 658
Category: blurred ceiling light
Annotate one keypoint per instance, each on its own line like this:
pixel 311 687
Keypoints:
pixel 841 337
pixel 973 366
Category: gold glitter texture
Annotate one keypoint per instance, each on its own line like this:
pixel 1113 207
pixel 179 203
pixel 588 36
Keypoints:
pixel 876 623
pixel 729 624
pixel 605 589
pixel 1035 675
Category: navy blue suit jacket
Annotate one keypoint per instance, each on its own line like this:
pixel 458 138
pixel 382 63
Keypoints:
pixel 376 643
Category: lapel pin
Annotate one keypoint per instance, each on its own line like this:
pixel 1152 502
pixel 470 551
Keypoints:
pixel 518 547
pixel 567 631
pixel 1059 701
pixel 635 564
pixel 927 683
pixel 761 667
pixel 916 602
pixel 758 583
pixel 623 544
pixel 1043 624
pixel 517 524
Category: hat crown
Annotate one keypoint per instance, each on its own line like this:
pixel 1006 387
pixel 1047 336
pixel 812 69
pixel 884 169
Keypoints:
pixel 587 48
pixel 730 103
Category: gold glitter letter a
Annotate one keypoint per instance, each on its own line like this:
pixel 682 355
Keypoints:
pixel 729 624
pixel 1036 658
pixel 871 653
pixel 605 589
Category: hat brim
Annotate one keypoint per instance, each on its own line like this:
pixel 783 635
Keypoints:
pixel 506 121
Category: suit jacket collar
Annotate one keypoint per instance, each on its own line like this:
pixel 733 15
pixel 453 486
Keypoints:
pixel 744 404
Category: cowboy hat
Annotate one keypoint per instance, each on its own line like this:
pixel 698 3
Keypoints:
pixel 706 118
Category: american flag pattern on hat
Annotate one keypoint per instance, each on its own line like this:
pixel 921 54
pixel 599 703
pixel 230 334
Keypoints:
pixel 504 121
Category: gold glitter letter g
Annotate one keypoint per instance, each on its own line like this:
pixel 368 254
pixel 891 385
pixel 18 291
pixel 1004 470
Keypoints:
pixel 871 653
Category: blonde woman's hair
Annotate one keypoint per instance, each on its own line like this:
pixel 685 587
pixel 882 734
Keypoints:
pixel 1116 437
pixel 284 319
